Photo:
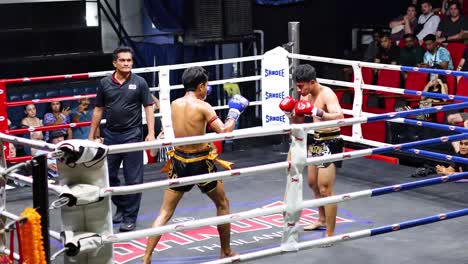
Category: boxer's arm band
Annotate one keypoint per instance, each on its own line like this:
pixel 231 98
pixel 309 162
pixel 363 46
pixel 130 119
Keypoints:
pixel 214 118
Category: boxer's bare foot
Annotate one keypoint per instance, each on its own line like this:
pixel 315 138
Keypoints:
pixel 315 226
pixel 228 254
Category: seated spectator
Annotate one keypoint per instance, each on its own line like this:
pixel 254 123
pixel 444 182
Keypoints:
pixel 427 21
pixel 436 56
pixel 437 85
pixel 388 52
pixel 404 24
pixel 452 26
pixel 456 167
pixel 82 114
pixel 445 6
pixel 412 54
pixel 31 120
pixel 456 118
pixel 462 66
pixel 11 150
pixel 57 115
pixel 55 137
pixel 373 48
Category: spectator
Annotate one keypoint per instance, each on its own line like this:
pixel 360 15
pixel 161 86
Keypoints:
pixel 404 24
pixel 388 52
pixel 456 118
pixel 445 6
pixel 437 85
pixel 55 137
pixel 57 115
pixel 82 114
pixel 412 54
pixel 462 66
pixel 452 26
pixel 31 120
pixel 427 21
pixel 11 150
pixel 456 167
pixel 436 56
pixel 373 48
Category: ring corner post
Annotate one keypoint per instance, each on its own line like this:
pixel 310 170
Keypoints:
pixel 293 195
pixel 41 198
pixel 3 116
pixel 358 101
pixel 165 101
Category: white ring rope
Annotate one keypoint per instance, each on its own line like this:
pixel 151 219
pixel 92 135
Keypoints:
pixel 181 66
pixel 215 82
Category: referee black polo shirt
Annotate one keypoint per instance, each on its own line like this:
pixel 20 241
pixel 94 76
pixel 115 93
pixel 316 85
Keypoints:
pixel 122 102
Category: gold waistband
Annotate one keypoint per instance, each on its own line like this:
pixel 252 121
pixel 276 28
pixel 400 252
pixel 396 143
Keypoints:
pixel 210 156
pixel 326 136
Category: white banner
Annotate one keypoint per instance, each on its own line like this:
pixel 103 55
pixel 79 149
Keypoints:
pixel 275 86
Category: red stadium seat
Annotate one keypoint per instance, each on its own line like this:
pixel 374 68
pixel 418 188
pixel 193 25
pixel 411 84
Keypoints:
pixel 462 87
pixel 389 78
pixel 367 75
pixel 416 81
pixel 451 84
pixel 456 52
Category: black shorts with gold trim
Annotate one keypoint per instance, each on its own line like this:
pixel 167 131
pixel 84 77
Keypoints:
pixel 323 144
pixel 189 164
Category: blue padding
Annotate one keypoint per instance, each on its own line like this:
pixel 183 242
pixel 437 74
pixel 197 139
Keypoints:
pixel 436 95
pixel 418 184
pixel 437 71
pixel 418 222
pixel 52 92
pixel 27 96
pixel 89 90
pixel 16 114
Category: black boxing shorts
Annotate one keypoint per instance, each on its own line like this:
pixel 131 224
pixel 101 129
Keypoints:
pixel 190 164
pixel 324 144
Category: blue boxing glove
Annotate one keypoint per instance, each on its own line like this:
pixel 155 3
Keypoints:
pixel 237 105
pixel 209 89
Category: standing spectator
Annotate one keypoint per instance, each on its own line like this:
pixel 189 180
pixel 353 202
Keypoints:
pixel 388 52
pixel 121 95
pixel 404 24
pixel 82 114
pixel 427 21
pixel 436 56
pixel 373 48
pixel 412 54
pixel 57 115
pixel 452 26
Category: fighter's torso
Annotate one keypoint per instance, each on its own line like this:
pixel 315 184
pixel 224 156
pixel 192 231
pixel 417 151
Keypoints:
pixel 188 121
pixel 320 100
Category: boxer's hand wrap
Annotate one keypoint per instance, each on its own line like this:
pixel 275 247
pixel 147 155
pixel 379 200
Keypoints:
pixel 237 105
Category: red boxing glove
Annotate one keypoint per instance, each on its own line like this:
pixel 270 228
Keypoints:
pixel 287 105
pixel 306 108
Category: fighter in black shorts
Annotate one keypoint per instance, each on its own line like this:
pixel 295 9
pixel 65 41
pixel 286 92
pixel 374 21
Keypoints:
pixel 321 103
pixel 188 164
pixel 324 144
pixel 190 116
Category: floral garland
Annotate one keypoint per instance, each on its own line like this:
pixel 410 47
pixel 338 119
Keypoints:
pixel 31 236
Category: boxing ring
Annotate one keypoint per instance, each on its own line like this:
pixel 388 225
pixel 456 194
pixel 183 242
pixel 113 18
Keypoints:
pixel 85 192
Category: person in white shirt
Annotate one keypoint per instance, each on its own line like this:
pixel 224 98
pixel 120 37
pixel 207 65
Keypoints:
pixel 427 21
